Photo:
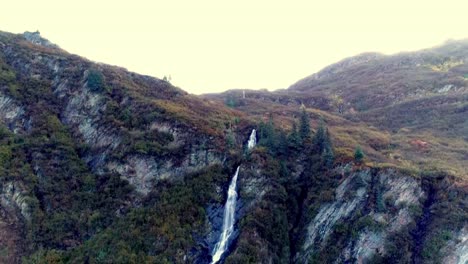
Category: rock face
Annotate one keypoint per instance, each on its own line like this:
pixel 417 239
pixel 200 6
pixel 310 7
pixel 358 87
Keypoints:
pixel 13 197
pixel 457 249
pixel 14 211
pixel 11 114
pixel 35 38
pixel 142 171
pixel 367 194
pixel 348 196
pixel 373 207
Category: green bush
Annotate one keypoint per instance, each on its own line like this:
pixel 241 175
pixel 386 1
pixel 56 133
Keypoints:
pixel 358 154
pixel 95 81
pixel 7 76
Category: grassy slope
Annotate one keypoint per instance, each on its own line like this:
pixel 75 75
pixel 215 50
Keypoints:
pixel 387 104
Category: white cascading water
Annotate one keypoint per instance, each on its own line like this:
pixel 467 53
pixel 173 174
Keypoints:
pixel 252 139
pixel 230 209
pixel 228 220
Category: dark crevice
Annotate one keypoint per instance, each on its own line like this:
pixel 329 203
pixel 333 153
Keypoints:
pixel 294 232
pixel 372 192
pixel 420 233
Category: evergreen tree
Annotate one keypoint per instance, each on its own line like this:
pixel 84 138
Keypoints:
pixel 282 148
pixel 230 140
pixel 304 125
pixel 320 138
pixel 322 145
pixel 271 134
pixel 294 140
pixel 261 135
pixel 284 173
pixel 267 135
pixel 230 101
pixel 358 154
pixel 328 157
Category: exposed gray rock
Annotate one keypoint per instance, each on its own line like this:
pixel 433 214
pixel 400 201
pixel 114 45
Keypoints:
pixel 457 249
pixel 446 88
pixel 83 111
pixel 253 185
pixel 13 196
pixel 400 189
pixel 35 38
pixel 352 195
pixel 143 171
pixel 342 207
pixel 11 114
pixel 176 133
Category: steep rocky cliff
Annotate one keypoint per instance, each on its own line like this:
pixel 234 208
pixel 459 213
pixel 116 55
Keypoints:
pixel 384 215
pixel 350 215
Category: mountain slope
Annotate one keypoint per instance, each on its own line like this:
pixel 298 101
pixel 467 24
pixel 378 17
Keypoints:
pixel 82 142
pixel 418 99
pixel 418 96
pixel 102 165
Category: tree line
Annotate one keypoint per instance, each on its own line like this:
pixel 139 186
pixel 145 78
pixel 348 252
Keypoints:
pixel 301 138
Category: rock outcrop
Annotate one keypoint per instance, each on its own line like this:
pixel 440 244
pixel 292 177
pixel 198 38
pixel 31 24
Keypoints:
pixel 370 209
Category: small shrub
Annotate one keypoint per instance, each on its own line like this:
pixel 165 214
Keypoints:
pixel 358 154
pixel 95 81
pixel 7 76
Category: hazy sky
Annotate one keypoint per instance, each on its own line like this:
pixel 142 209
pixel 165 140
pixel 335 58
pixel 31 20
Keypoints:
pixel 216 45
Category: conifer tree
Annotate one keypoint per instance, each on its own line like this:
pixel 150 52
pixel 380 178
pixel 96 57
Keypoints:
pixel 267 135
pixel 328 157
pixel 358 154
pixel 322 145
pixel 320 137
pixel 230 140
pixel 294 140
pixel 282 148
pixel 304 125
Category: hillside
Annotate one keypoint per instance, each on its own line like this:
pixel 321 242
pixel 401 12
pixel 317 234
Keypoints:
pixel 76 134
pixel 102 165
pixel 417 101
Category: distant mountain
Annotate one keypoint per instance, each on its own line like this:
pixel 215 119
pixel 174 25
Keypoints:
pixel 363 162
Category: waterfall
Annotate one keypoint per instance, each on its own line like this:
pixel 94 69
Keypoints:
pixel 228 220
pixel 252 139
pixel 230 209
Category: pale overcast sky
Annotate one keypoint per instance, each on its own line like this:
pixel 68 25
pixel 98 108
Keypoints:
pixel 215 45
